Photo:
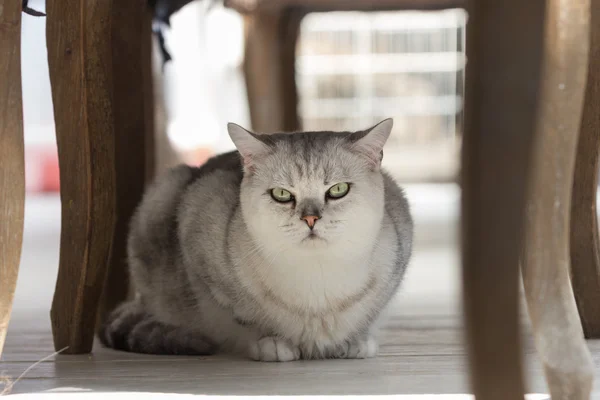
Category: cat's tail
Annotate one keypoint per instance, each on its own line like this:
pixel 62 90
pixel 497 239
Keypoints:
pixel 130 328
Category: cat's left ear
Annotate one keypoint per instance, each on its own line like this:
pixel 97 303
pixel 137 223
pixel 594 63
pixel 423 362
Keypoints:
pixel 250 146
pixel 370 143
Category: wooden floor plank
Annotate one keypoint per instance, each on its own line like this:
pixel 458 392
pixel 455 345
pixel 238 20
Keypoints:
pixel 416 357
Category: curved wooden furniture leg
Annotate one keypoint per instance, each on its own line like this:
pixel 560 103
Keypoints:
pixel 12 159
pixel 269 68
pixel 132 80
pixel 585 243
pixel 556 326
pixel 80 62
pixel 502 78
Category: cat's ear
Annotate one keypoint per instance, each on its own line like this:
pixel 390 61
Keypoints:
pixel 370 143
pixel 251 148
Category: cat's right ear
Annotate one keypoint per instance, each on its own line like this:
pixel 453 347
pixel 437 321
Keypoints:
pixel 251 148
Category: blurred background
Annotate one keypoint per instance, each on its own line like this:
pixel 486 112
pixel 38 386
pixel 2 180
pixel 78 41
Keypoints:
pixel 353 70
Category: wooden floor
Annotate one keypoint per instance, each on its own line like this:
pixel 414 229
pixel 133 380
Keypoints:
pixel 418 355
pixel 421 348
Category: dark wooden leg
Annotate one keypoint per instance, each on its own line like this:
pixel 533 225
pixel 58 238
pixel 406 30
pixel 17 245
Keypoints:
pixel 132 79
pixel 269 67
pixel 80 63
pixel 502 79
pixel 288 43
pixel 12 156
pixel 585 251
pixel 556 326
pixel 149 96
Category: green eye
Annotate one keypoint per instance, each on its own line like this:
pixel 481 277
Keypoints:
pixel 338 190
pixel 281 195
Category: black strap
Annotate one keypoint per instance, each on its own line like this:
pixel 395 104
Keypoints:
pixel 31 11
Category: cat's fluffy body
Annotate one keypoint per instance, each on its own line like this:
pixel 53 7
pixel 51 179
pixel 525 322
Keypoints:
pixel 220 266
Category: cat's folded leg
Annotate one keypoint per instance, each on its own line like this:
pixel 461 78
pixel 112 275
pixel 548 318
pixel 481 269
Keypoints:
pixel 271 348
pixel 131 328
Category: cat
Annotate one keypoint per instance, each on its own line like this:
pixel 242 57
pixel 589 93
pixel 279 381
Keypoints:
pixel 289 248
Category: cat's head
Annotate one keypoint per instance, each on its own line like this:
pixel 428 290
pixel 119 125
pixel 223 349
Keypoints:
pixel 312 189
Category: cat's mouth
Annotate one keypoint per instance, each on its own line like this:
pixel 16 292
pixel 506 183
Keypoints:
pixel 313 237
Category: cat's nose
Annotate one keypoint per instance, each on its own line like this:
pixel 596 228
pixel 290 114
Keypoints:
pixel 311 220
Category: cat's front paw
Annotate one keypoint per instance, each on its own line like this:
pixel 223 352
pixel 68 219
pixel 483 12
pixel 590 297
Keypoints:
pixel 359 348
pixel 274 349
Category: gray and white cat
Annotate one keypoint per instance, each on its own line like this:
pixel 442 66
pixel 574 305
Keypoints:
pixel 290 248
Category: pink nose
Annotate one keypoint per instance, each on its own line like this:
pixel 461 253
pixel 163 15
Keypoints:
pixel 310 220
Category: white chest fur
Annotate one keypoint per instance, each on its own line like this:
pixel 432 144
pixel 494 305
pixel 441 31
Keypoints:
pixel 320 297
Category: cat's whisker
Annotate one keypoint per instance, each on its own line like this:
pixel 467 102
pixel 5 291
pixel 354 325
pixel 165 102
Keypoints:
pixel 252 252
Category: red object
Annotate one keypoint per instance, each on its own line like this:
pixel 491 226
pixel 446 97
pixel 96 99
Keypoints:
pixel 50 173
pixel 41 169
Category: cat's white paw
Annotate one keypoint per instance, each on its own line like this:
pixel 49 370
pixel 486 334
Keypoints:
pixel 362 348
pixel 274 349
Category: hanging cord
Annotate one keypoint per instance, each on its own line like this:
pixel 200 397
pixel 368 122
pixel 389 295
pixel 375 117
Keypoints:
pixel 30 11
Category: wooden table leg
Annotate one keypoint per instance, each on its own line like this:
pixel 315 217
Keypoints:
pixel 585 251
pixel 133 111
pixel 269 68
pixel 504 50
pixel 12 159
pixel 153 105
pixel 556 326
pixel 80 62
